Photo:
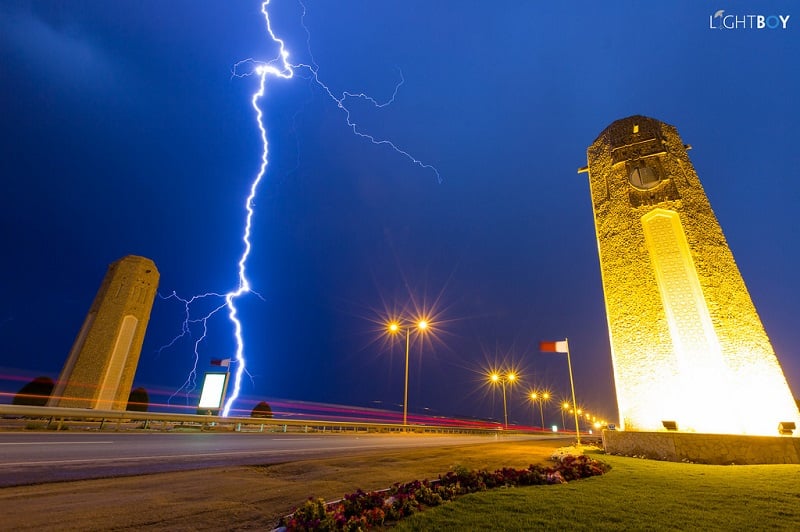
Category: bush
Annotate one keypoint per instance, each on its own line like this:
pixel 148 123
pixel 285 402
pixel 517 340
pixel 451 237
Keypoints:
pixel 262 409
pixel 362 510
pixel 35 393
pixel 138 400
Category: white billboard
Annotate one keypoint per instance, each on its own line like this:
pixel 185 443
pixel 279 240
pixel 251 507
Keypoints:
pixel 213 390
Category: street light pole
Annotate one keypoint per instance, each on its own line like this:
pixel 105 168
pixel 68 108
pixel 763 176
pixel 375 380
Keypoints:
pixel 505 410
pixel 541 411
pixel 394 328
pixel 509 377
pixel 405 394
pixel 539 397
pixel 545 397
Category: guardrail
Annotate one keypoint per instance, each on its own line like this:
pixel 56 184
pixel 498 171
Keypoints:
pixel 58 418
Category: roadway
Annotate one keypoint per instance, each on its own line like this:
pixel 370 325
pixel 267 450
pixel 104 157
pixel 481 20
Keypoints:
pixel 40 457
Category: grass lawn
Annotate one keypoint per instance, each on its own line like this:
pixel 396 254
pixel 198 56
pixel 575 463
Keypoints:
pixel 635 495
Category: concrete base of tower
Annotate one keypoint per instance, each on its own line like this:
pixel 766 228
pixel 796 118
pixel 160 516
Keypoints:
pixel 721 449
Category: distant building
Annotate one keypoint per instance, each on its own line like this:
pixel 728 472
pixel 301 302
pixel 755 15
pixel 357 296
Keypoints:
pixel 102 363
pixel 686 342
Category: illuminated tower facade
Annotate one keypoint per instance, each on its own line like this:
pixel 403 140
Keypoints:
pixel 101 365
pixel 686 342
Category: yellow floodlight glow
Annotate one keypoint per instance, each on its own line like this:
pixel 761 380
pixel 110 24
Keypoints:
pixel 494 377
pixel 686 339
pixel 511 377
pixel 394 327
pixel 422 325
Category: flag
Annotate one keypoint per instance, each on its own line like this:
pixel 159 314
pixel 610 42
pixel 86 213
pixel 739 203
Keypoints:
pixel 554 347
pixel 224 362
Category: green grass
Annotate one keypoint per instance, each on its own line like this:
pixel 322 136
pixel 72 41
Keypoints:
pixel 635 495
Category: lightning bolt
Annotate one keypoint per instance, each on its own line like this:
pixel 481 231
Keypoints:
pixel 190 383
pixel 279 67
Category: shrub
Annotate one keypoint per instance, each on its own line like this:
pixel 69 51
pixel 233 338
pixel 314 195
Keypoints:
pixel 362 510
pixel 138 400
pixel 262 409
pixel 35 393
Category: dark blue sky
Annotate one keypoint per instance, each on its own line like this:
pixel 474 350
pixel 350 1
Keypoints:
pixel 123 132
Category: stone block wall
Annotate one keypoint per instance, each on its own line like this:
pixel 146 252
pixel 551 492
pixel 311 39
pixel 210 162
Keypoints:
pixel 722 449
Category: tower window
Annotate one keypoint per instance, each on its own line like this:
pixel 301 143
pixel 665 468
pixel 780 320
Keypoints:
pixel 643 177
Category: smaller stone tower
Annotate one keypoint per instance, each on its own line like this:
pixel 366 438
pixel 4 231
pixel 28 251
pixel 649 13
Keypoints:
pixel 102 363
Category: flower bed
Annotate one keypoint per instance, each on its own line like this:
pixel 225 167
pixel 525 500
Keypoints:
pixel 362 510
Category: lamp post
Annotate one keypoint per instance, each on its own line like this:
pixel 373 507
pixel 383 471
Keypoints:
pixel 540 397
pixel 564 408
pixel 510 377
pixel 394 328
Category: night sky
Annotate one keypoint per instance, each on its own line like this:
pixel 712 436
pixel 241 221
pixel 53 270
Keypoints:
pixel 124 132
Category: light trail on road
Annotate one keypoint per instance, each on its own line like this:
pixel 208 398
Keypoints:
pixel 29 460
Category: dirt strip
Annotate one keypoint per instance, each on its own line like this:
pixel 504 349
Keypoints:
pixel 241 498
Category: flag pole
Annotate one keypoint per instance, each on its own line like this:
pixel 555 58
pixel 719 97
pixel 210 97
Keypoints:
pixel 224 390
pixel 226 362
pixel 572 385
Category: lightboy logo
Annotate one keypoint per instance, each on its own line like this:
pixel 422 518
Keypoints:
pixel 721 21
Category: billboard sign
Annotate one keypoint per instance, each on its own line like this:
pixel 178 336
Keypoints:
pixel 214 385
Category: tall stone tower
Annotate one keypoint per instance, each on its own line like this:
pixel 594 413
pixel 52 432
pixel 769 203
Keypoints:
pixel 686 342
pixel 101 365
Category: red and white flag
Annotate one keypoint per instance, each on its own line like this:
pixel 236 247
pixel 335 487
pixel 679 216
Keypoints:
pixel 224 362
pixel 554 347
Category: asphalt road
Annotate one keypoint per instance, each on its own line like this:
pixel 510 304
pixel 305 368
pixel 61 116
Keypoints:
pixel 40 457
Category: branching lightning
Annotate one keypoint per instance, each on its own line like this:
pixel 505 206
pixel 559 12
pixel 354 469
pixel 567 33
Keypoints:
pixel 191 380
pixel 279 67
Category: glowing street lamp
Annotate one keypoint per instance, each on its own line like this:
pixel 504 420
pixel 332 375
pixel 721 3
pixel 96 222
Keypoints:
pixel 564 407
pixel 540 397
pixel 510 378
pixel 394 327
